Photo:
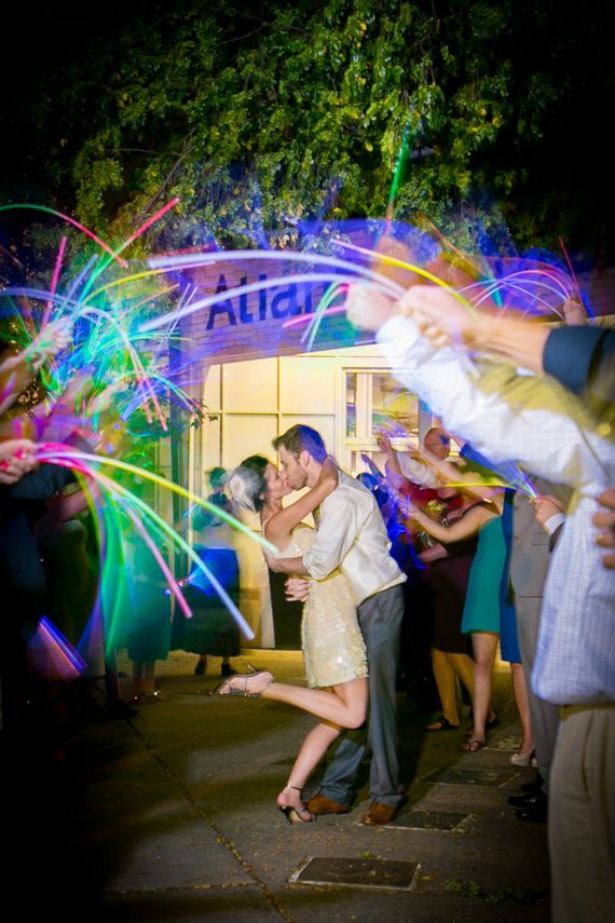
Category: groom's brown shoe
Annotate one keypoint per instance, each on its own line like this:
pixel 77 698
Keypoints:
pixel 378 814
pixel 320 804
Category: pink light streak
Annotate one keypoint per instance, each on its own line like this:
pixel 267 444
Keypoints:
pixel 54 280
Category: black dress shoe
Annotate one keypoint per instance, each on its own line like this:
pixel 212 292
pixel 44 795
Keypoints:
pixel 527 800
pixel 535 786
pixel 535 813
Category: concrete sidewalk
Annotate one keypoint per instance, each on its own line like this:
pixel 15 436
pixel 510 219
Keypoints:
pixel 171 816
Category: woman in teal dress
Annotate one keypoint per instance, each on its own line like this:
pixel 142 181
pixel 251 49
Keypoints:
pixel 482 613
pixel 482 608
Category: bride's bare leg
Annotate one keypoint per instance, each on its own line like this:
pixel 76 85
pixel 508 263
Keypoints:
pixel 312 750
pixel 344 705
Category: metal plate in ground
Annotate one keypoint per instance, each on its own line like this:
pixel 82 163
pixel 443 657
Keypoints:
pixel 429 820
pixel 506 743
pixel 486 777
pixel 357 873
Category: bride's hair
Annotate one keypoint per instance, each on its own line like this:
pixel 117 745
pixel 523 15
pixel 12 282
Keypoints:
pixel 247 485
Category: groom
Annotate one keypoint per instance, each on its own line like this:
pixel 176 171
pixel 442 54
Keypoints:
pixel 352 537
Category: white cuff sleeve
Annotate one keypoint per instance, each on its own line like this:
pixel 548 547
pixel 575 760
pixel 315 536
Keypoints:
pixel 554 522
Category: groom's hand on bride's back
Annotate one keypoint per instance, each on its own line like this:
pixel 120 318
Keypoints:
pixel 297 589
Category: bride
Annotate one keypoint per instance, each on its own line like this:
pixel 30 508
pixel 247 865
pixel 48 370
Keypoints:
pixel 333 647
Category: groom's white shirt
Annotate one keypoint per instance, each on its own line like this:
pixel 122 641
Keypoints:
pixel 352 537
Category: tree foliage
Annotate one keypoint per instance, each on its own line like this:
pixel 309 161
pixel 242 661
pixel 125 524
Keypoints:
pixel 451 113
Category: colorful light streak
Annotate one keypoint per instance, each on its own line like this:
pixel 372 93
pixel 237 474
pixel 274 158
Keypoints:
pixel 109 349
pixel 399 165
pixel 191 261
pixel 111 315
pixel 75 224
pixel 51 655
pixel 88 466
pixel 54 279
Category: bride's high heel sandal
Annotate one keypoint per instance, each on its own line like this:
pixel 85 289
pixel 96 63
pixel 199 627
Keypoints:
pixel 296 814
pixel 239 684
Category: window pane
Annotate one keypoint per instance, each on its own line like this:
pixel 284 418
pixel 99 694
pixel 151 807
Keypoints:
pixel 393 408
pixel 351 404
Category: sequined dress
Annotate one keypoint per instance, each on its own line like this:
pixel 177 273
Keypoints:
pixel 331 640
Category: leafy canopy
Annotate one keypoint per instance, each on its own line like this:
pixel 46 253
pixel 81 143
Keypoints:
pixel 430 112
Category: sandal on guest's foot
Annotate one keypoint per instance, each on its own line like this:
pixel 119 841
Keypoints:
pixel 489 725
pixel 442 724
pixel 473 746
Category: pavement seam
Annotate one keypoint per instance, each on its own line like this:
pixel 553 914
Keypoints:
pixel 228 844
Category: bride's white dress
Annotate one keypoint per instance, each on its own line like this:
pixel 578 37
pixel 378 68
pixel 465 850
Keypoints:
pixel 332 643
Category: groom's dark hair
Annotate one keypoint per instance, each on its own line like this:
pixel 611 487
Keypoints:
pixel 300 438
